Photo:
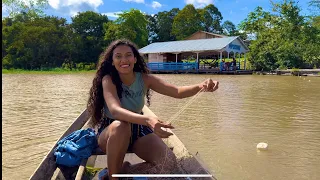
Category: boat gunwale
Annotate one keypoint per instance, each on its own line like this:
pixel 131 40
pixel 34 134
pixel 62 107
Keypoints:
pixel 47 168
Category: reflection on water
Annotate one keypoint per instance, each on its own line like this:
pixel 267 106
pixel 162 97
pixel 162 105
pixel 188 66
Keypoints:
pixel 223 127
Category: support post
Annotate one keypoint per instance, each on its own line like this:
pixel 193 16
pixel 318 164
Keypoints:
pixel 220 65
pixel 245 62
pixel 239 60
pixel 176 58
pixel 198 61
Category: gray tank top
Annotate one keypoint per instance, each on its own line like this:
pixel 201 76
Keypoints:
pixel 132 96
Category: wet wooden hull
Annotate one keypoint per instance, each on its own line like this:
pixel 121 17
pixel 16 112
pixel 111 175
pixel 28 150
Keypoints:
pixel 188 164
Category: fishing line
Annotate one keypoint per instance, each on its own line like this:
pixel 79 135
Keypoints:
pixel 175 116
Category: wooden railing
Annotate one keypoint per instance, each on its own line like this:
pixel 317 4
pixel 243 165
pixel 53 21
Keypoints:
pixel 222 68
pixel 171 66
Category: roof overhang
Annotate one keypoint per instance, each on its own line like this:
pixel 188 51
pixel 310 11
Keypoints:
pixel 195 46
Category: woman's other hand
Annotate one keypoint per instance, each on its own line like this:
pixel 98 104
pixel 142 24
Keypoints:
pixel 159 127
pixel 209 85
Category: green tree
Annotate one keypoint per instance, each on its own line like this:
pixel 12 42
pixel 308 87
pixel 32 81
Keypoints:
pixel 256 21
pixel 34 44
pixel 72 44
pixel 131 25
pixel 229 28
pixel 30 7
pixel 89 26
pixel 89 23
pixel 164 21
pixel 186 22
pixel 314 6
pixel 211 19
pixel 112 31
pixel 284 39
pixel 152 28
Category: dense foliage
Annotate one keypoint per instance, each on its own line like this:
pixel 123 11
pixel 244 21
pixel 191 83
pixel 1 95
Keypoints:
pixel 284 38
pixel 32 40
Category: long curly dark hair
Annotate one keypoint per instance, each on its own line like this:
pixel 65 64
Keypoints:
pixel 96 100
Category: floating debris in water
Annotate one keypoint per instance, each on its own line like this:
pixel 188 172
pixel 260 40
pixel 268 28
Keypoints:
pixel 262 146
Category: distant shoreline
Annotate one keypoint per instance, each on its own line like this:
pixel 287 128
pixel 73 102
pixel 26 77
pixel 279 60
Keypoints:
pixel 49 71
pixel 291 72
pixel 288 72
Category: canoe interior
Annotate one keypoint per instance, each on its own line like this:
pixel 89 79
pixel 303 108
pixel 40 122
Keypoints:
pixel 48 166
pixel 187 163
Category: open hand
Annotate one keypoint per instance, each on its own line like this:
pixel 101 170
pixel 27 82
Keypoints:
pixel 209 85
pixel 159 126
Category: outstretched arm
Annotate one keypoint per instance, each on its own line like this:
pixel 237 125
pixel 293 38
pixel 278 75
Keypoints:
pixel 171 90
pixel 118 112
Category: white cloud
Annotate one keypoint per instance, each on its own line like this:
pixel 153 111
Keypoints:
pixel 136 1
pixel 72 7
pixel 112 14
pixel 199 3
pixel 156 5
pixel 54 4
pixel 244 9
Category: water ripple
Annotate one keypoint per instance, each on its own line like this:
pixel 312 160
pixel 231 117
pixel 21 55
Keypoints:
pixel 223 128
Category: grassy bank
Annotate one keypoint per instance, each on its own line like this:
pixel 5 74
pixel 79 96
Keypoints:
pixel 47 71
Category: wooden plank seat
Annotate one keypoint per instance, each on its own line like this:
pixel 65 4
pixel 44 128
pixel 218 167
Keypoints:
pixel 130 156
pixel 48 169
pixel 77 172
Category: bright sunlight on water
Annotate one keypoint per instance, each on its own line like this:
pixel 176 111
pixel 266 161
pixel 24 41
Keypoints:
pixel 223 127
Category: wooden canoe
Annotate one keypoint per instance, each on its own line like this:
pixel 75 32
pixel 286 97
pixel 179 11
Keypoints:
pixel 188 163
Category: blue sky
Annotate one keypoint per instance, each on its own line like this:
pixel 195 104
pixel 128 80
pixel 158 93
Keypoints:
pixel 233 10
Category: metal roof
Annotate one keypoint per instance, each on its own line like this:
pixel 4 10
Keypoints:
pixel 221 35
pixel 213 44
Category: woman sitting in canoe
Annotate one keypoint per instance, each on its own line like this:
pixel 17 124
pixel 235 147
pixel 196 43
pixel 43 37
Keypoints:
pixel 117 96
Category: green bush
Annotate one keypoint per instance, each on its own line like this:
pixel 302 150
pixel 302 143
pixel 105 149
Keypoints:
pixel 295 71
pixel 85 66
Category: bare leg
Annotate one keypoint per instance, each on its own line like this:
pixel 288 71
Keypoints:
pixel 115 140
pixel 159 158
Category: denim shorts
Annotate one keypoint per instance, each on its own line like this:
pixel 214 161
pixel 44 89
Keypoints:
pixel 137 131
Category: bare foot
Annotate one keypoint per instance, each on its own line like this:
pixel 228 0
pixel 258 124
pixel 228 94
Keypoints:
pixel 125 167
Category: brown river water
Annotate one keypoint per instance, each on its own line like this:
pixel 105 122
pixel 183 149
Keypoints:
pixel 223 127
